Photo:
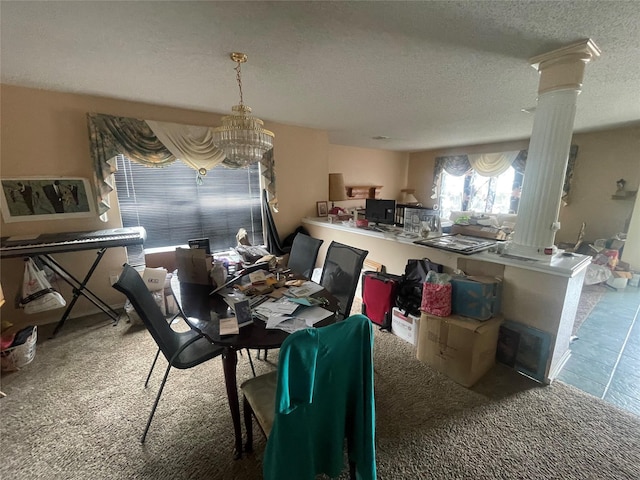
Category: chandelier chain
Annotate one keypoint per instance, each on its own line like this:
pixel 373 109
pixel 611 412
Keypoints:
pixel 239 79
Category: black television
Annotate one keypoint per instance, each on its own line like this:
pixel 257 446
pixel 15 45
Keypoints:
pixel 380 211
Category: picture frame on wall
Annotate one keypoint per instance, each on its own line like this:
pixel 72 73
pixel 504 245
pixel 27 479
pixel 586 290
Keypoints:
pixel 26 199
pixel 323 208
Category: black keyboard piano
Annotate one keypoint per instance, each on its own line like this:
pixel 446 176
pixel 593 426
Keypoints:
pixel 43 246
pixel 71 242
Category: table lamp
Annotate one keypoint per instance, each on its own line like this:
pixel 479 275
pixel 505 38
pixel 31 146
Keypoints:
pixel 337 191
pixel 408 197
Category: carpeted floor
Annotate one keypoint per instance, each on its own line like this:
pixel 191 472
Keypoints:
pixel 78 410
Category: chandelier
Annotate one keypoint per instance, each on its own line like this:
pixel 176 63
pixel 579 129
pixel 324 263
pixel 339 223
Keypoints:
pixel 242 137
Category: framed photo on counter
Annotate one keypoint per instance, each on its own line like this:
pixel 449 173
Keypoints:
pixel 323 209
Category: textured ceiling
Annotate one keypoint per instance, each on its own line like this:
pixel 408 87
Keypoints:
pixel 425 74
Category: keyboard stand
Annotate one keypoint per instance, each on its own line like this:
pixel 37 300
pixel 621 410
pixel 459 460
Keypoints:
pixel 79 288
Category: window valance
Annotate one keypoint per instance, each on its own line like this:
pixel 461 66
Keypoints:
pixel 490 165
pixel 157 144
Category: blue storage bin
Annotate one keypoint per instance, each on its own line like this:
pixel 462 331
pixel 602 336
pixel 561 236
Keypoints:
pixel 476 296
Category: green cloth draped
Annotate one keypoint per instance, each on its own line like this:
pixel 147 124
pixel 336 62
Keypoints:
pixel 324 393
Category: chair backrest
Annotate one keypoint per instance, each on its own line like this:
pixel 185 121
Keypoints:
pixel 131 284
pixel 274 245
pixel 324 392
pixel 304 252
pixel 341 273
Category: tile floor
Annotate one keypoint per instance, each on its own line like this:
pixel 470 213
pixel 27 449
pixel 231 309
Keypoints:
pixel 605 359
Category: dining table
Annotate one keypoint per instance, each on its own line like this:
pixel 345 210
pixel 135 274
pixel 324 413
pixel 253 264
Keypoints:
pixel 202 310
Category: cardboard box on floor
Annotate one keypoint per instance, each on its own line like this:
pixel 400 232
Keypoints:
pixel 463 349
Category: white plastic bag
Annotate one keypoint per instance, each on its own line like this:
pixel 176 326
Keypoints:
pixel 16 357
pixel 37 294
pixel 597 274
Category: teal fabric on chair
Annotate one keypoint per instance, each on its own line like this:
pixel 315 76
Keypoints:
pixel 322 392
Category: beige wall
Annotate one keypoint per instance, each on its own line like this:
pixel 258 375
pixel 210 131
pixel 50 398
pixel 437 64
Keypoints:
pixel 365 166
pixel 603 157
pixel 45 133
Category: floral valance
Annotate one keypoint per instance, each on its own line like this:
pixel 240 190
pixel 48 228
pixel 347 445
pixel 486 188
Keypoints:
pixel 157 144
pixel 490 165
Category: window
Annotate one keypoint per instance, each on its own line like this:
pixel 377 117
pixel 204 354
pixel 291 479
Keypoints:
pixel 173 208
pixel 499 194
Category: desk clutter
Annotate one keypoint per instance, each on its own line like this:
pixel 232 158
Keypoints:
pixel 282 303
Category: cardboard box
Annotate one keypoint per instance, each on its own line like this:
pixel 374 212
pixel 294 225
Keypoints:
pixel 475 296
pixel 461 348
pixel 405 326
pixel 479 231
pixel 194 265
pixel 619 279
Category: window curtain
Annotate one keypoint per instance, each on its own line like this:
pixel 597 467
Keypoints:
pixel 191 144
pixel 156 144
pixel 490 165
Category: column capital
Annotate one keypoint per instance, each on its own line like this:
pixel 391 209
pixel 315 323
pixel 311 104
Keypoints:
pixel 564 68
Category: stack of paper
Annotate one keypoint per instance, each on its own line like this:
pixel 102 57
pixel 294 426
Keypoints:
pixel 305 290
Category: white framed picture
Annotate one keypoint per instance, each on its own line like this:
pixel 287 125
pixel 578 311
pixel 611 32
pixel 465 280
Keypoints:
pixel 26 199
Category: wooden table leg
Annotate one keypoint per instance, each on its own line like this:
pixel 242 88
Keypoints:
pixel 229 362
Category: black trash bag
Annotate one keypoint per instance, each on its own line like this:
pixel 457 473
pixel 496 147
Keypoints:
pixel 409 295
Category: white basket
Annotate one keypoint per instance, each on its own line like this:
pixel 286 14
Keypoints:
pixel 15 358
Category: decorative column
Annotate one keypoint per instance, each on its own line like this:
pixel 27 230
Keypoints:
pixel 561 74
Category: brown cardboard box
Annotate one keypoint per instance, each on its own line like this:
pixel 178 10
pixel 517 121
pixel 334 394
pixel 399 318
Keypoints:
pixel 194 265
pixel 619 280
pixel 478 231
pixel 463 349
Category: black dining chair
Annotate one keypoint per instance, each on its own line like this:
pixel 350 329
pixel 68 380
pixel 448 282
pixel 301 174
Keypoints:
pixel 302 259
pixel 304 253
pixel 181 349
pixel 340 274
pixel 321 392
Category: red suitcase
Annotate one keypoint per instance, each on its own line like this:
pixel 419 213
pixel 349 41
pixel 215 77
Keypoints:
pixel 378 297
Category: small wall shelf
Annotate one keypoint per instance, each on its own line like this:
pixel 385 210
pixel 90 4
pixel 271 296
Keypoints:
pixel 624 195
pixel 362 191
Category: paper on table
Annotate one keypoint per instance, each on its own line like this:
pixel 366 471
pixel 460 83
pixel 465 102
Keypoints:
pixel 307 317
pixel 269 309
pixel 306 289
pixel 229 326
pixel 258 276
pixel 313 315
pixel 308 301
pixel 286 322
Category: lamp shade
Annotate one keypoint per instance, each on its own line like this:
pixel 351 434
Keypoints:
pixel 337 190
pixel 408 197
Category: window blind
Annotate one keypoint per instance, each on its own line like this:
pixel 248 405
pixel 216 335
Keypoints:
pixel 173 207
